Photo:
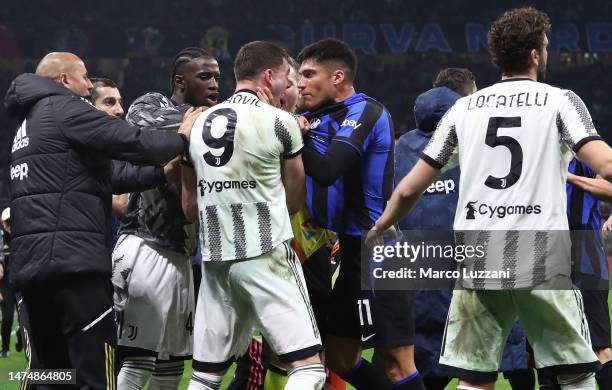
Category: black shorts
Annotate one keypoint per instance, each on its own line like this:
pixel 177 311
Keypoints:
pixel 597 314
pixel 380 318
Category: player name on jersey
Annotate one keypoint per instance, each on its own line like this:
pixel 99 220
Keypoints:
pixel 249 100
pixel 521 99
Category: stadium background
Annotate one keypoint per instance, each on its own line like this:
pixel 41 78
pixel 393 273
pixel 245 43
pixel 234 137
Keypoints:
pixel 401 45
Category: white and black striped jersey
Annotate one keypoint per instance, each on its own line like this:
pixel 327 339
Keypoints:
pixel 236 148
pixel 513 142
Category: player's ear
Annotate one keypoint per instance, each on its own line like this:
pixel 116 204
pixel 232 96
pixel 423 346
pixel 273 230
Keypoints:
pixel 179 81
pixel 534 57
pixel 338 76
pixel 268 76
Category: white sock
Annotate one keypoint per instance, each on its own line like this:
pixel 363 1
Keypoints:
pixel 135 372
pixel 167 375
pixel 584 381
pixel 307 377
pixel 203 381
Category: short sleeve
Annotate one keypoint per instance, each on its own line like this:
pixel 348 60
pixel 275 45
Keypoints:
pixel 441 151
pixel 574 122
pixel 287 131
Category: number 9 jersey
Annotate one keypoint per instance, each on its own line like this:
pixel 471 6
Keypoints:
pixel 236 148
pixel 513 142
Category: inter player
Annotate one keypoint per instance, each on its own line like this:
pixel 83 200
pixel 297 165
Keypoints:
pixel 348 157
pixel 152 269
pixel 513 142
pixel 250 176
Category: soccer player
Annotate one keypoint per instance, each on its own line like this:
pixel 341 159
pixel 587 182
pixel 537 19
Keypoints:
pixel 316 249
pixel 250 176
pixel 152 268
pixel 348 157
pixel 513 142
pixel 105 96
pixel 252 368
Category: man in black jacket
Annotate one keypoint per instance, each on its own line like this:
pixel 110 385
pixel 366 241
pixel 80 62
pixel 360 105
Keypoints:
pixel 61 184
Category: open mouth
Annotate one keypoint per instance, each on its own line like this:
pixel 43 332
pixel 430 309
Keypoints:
pixel 282 102
pixel 211 100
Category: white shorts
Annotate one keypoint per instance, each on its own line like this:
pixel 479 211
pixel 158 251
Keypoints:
pixel 157 315
pixel 265 293
pixel 479 322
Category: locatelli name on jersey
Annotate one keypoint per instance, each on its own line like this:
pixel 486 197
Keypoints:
pixel 220 185
pixel 474 208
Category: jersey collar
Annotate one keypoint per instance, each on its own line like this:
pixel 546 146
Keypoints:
pixel 514 79
pixel 246 91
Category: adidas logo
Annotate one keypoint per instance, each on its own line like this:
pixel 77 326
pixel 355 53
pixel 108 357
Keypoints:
pixel 21 139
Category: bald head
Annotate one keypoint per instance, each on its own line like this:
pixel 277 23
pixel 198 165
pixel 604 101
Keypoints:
pixel 68 70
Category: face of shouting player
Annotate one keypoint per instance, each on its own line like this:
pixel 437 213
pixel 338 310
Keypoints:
pixel 199 79
pixel 317 84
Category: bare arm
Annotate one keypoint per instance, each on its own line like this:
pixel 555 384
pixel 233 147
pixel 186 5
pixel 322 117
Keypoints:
pixel 405 195
pixel 294 181
pixel 598 187
pixel 597 155
pixel 189 195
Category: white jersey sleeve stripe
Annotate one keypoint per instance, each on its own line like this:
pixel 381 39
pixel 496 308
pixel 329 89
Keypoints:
pixel 442 148
pixel 574 121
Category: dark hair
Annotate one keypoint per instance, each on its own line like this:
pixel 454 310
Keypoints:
pixel 513 35
pixel 257 56
pixel 187 55
pixel 330 49
pixel 457 79
pixel 100 82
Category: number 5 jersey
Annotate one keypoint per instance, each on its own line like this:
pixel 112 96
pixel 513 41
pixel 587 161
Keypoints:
pixel 513 142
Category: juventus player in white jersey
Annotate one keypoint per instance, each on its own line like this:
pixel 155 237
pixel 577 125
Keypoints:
pixel 513 142
pixel 246 156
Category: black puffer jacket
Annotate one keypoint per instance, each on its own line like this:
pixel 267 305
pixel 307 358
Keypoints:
pixel 61 181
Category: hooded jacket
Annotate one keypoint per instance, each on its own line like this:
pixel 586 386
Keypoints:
pixel 62 179
pixel 436 208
